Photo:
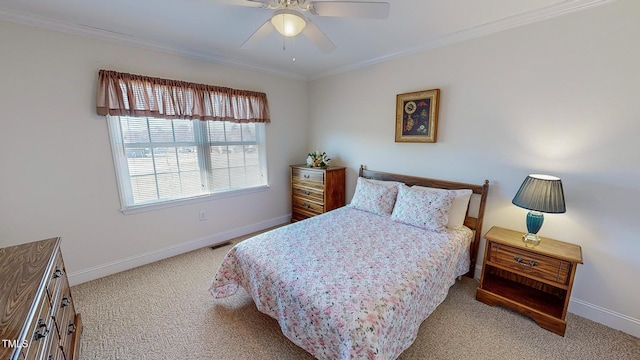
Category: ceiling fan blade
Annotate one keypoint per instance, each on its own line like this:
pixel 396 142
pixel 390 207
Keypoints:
pixel 371 10
pixel 261 3
pixel 247 3
pixel 258 35
pixel 318 38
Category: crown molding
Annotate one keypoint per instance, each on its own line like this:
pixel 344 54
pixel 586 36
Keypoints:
pixel 549 12
pixel 511 22
pixel 128 40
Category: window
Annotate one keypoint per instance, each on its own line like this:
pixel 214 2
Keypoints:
pixel 161 161
pixel 179 141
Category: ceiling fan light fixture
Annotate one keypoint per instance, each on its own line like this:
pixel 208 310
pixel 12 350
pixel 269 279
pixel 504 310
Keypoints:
pixel 288 22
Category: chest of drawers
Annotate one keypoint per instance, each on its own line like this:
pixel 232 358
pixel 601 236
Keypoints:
pixel 39 320
pixel 316 190
pixel 535 282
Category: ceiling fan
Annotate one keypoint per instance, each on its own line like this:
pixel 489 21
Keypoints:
pixel 289 19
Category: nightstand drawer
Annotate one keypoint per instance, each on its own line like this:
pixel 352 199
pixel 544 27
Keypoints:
pixel 529 263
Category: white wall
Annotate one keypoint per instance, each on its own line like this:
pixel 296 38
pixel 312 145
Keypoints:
pixel 557 97
pixel 57 175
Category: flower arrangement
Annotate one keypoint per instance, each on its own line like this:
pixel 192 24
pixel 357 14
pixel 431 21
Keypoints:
pixel 318 159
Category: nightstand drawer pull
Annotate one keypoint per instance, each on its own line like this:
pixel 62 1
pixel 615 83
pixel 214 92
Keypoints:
pixel 306 176
pixel 306 192
pixel 531 263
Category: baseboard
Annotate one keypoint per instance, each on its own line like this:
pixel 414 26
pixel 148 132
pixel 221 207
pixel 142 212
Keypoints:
pixel 117 266
pixel 612 319
pixel 596 313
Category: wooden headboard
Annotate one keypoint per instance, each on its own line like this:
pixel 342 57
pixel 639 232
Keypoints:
pixel 473 223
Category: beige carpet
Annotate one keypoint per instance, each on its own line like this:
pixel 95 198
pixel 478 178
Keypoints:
pixel 164 311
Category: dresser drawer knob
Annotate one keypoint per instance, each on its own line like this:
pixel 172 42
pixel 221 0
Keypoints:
pixel 72 328
pixel 531 263
pixel 39 335
pixel 65 301
pixel 57 273
pixel 306 192
pixel 306 176
pixel 306 205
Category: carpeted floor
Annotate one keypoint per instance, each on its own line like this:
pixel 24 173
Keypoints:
pixel 164 311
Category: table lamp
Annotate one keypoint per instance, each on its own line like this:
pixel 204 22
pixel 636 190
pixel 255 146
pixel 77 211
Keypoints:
pixel 539 194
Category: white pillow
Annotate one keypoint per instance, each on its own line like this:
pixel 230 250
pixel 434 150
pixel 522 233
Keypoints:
pixel 426 209
pixel 373 197
pixel 458 211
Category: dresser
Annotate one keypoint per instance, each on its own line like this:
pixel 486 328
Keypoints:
pixel 316 190
pixel 535 282
pixel 39 320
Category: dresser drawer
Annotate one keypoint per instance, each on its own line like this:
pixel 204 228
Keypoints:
pixel 308 205
pixel 41 332
pixel 529 263
pixel 57 278
pixel 67 325
pixel 308 178
pixel 308 193
pixel 62 309
pixel 300 214
pixel 57 354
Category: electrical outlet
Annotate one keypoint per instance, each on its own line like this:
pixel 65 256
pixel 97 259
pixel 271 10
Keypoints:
pixel 203 215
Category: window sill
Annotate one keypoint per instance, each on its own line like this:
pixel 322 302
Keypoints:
pixel 179 202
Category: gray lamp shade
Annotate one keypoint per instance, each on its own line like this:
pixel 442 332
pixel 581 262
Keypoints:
pixel 541 193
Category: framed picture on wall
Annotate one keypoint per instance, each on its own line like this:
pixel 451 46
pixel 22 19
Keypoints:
pixel 417 116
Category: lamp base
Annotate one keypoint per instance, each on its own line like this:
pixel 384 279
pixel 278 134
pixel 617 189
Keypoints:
pixel 530 240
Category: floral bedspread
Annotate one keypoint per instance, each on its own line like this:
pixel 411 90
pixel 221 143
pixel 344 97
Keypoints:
pixel 347 284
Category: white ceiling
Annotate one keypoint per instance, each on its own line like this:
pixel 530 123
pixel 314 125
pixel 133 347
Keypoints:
pixel 214 30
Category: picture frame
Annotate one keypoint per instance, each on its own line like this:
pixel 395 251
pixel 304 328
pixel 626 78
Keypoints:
pixel 417 116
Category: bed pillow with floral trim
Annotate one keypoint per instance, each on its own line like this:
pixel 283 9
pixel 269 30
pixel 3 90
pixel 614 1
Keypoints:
pixel 386 183
pixel 458 211
pixel 426 209
pixel 374 198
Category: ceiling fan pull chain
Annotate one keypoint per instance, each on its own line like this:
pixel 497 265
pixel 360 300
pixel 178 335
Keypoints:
pixel 293 49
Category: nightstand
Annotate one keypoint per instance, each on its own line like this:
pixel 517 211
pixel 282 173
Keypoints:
pixel 536 282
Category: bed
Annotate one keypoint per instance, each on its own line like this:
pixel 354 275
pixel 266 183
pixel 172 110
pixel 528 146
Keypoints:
pixel 357 282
